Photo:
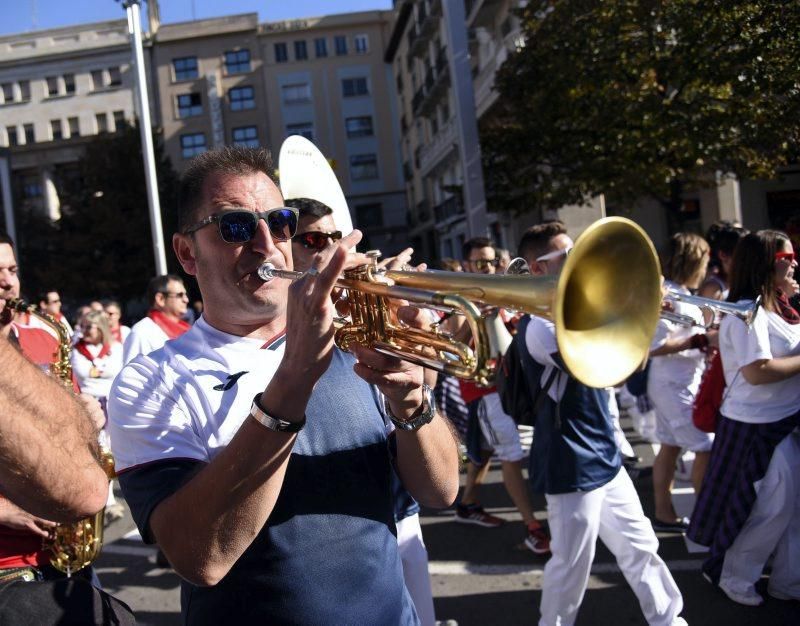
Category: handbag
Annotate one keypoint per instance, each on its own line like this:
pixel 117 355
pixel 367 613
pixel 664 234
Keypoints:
pixel 710 395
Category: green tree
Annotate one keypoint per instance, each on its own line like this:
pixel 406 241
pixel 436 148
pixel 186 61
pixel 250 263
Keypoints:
pixel 638 98
pixel 101 246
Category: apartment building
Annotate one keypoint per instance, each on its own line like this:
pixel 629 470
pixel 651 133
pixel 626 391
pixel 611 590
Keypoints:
pixel 326 80
pixel 57 88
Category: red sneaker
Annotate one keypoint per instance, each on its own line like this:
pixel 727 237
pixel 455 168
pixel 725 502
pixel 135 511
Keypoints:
pixel 474 514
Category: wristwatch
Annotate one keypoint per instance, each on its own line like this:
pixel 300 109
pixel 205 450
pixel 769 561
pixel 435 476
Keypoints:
pixel 271 422
pixel 415 423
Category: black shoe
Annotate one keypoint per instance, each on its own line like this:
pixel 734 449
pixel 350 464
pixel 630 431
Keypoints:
pixel 678 526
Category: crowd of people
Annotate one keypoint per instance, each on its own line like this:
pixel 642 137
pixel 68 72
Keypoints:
pixel 322 451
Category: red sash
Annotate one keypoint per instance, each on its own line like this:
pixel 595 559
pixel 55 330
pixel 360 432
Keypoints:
pixel 172 327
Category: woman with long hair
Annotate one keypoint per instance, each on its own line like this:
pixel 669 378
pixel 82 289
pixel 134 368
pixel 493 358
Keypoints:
pixel 749 506
pixel 676 367
pixel 722 236
pixel 96 357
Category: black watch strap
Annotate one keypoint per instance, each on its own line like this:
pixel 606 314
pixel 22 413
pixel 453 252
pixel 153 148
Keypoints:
pixel 415 423
pixel 258 413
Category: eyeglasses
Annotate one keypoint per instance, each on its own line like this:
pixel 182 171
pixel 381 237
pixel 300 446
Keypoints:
pixel 178 294
pixel 785 256
pixel 239 226
pixel 482 264
pixel 317 240
pixel 554 254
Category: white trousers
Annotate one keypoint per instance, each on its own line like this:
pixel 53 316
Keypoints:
pixel 414 556
pixel 612 512
pixel 773 526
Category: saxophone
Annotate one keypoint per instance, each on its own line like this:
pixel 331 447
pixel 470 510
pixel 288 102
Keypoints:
pixel 76 545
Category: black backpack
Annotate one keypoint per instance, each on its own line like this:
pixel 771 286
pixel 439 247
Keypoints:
pixel 518 377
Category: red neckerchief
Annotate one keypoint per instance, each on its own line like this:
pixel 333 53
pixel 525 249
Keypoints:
pixel 785 308
pixel 83 348
pixel 116 333
pixel 172 327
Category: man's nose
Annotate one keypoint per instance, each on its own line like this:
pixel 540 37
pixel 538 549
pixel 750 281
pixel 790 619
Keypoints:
pixel 262 241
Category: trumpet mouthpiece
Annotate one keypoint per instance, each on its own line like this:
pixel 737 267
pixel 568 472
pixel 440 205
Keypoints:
pixel 265 272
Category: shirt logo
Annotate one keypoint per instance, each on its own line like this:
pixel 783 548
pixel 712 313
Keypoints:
pixel 230 382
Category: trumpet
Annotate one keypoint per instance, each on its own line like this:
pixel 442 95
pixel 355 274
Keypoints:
pixel 745 312
pixel 603 333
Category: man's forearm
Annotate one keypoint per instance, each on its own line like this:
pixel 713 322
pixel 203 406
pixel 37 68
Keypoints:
pixel 427 462
pixel 48 445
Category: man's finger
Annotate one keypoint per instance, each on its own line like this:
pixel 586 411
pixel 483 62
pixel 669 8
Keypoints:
pixel 379 362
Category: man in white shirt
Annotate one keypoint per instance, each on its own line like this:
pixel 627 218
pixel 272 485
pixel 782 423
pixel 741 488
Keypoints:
pixel 168 300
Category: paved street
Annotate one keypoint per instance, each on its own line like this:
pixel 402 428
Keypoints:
pixel 480 576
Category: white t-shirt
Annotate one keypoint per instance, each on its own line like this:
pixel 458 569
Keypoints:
pixel 108 367
pixel 769 337
pixel 685 368
pixel 188 399
pixel 145 336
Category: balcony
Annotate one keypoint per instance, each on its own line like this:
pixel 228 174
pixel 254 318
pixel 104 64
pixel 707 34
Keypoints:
pixel 423 212
pixel 431 154
pixel 436 79
pixel 448 209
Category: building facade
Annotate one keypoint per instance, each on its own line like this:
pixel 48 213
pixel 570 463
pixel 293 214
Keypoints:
pixel 58 87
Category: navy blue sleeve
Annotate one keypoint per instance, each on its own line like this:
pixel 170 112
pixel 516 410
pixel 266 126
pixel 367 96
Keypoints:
pixel 147 485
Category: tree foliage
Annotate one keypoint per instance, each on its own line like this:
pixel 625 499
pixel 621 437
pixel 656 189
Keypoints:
pixel 101 246
pixel 640 98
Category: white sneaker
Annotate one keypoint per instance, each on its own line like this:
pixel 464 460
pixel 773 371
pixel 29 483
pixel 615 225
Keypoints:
pixel 747 597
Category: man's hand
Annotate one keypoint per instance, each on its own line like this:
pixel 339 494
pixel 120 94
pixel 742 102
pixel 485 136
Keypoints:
pixel 93 408
pixel 399 381
pixel 14 517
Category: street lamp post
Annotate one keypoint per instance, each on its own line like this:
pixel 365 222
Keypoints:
pixel 135 32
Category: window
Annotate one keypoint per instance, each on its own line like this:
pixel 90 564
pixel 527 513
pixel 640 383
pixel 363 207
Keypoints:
pixel 246 136
pixel 102 122
pixel 55 130
pixel 237 61
pixel 321 47
pixel 340 42
pixel 74 129
pixel 24 90
pixel 361 44
pixel 300 52
pixel 185 68
pixel 369 215
pixel 192 145
pixel 296 93
pixel 281 53
pixel 13 138
pixel 354 87
pixel 69 83
pixel 363 166
pixel 306 129
pixel 359 126
pixel 97 79
pixel 114 77
pixel 189 104
pixel 28 130
pixel 242 98
pixel 119 120
pixel 8 92
pixel 52 85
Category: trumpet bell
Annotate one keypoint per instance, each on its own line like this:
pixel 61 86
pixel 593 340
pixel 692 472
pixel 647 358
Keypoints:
pixel 608 302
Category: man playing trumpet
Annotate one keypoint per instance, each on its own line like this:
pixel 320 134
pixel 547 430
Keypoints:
pixel 283 501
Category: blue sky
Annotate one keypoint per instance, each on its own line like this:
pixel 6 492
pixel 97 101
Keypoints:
pixel 17 16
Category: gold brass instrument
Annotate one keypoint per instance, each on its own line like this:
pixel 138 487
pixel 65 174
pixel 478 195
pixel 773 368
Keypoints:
pixel 605 305
pixel 75 545
pixel 745 312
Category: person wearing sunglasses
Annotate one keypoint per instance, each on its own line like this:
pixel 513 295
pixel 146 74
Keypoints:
pixel 166 296
pixel 316 231
pixel 253 436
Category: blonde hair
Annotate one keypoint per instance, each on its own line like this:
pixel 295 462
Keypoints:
pixel 688 257
pixel 99 319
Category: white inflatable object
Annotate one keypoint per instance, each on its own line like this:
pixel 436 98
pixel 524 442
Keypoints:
pixel 305 173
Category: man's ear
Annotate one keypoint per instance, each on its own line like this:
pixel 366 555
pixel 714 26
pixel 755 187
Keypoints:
pixel 535 268
pixel 183 245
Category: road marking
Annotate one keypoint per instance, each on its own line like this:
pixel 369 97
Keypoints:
pixel 460 568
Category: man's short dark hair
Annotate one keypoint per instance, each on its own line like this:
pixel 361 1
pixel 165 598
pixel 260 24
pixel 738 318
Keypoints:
pixel 158 284
pixel 46 292
pixel 5 238
pixel 476 243
pixel 536 240
pixel 309 207
pixel 236 160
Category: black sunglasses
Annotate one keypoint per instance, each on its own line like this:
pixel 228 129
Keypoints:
pixel 316 240
pixel 239 226
pixel 484 263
